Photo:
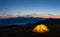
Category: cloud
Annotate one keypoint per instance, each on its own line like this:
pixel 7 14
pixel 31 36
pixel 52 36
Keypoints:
pixel 30 15
pixel 46 16
pixel 7 16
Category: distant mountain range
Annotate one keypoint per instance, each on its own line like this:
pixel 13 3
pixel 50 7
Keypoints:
pixel 19 21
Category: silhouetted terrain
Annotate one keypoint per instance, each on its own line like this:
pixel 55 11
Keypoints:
pixel 19 21
pixel 26 31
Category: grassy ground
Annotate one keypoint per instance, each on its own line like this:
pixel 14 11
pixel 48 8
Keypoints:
pixel 26 31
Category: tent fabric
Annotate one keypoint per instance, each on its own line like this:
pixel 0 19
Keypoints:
pixel 41 28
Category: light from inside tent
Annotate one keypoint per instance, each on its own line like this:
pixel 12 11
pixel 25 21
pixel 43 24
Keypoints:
pixel 41 28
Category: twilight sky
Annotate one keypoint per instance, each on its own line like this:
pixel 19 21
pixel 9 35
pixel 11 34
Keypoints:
pixel 22 7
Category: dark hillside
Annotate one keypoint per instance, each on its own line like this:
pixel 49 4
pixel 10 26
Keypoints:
pixel 26 31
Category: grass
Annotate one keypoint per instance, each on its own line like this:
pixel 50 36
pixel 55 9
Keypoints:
pixel 26 31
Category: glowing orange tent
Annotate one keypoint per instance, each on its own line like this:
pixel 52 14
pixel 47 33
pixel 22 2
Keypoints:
pixel 41 28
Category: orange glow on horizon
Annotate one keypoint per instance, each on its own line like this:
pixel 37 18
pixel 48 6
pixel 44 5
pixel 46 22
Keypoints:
pixel 35 16
pixel 46 16
pixel 4 16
